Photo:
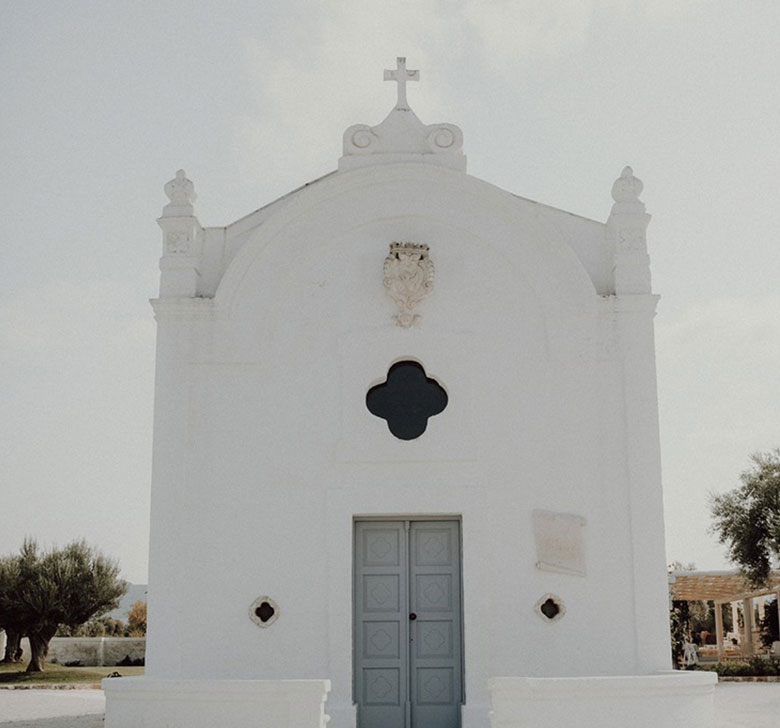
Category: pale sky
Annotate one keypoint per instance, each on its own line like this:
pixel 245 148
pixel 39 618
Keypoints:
pixel 103 101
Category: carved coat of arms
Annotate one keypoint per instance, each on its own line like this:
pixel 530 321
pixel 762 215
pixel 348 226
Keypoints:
pixel 408 278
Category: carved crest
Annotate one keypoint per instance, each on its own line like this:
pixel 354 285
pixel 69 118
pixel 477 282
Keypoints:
pixel 408 279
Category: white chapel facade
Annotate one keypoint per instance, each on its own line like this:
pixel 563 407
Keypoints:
pixel 406 459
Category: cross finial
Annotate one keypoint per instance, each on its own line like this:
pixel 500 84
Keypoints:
pixel 400 75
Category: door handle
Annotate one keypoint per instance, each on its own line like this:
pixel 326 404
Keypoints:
pixel 412 617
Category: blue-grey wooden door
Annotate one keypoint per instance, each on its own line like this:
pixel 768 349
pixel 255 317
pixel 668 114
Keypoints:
pixel 408 652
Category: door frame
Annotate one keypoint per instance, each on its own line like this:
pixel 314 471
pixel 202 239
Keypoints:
pixel 416 517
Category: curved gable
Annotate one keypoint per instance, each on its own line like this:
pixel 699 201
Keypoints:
pixel 351 217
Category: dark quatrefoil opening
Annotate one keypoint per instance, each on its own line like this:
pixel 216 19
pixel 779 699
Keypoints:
pixel 550 609
pixel 406 400
pixel 264 612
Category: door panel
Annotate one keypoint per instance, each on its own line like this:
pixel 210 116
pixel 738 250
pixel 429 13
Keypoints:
pixel 381 623
pixel 435 659
pixel 408 655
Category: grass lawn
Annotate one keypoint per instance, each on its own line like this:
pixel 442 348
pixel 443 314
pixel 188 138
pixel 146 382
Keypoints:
pixel 15 674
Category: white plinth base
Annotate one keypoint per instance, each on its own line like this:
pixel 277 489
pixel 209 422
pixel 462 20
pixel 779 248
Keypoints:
pixel 143 702
pixel 668 700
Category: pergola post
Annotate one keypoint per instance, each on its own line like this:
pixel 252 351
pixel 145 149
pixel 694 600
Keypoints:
pixel 735 621
pixel 747 617
pixel 719 630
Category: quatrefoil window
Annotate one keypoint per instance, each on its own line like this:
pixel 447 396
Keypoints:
pixel 264 611
pixel 406 400
pixel 551 607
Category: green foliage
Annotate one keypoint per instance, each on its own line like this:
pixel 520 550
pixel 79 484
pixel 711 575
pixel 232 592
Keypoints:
pixel 747 519
pixel 703 617
pixel 62 586
pixel 136 619
pixel 680 623
pixel 104 626
pixel 686 618
pixel 752 667
pixel 10 576
pixel 41 590
pixel 700 616
pixel 769 627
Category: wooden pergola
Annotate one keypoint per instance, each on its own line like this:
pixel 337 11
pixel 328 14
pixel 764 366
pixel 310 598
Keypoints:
pixel 723 587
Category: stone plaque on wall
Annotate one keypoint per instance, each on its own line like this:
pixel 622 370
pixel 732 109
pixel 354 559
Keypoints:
pixel 559 542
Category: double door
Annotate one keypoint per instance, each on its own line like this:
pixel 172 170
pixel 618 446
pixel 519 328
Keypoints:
pixel 407 624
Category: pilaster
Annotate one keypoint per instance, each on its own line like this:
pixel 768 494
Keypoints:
pixel 182 249
pixel 634 311
pixel 634 316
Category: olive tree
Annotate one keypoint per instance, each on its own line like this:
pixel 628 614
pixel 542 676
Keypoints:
pixel 9 571
pixel 41 590
pixel 747 519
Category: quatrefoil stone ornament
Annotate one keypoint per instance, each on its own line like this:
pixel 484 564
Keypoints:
pixel 406 400
pixel 408 278
pixel 551 607
pixel 264 611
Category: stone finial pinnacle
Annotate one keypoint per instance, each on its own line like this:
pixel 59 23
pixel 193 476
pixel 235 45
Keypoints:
pixel 180 190
pixel 627 188
pixel 181 193
pixel 400 75
pixel 626 227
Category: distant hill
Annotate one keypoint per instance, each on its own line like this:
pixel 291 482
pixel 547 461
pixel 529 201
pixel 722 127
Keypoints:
pixel 135 592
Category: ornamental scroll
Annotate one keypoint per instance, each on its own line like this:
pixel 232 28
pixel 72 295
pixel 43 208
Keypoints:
pixel 408 278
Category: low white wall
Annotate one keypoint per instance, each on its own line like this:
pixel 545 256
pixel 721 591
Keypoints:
pixel 91 650
pixel 646 701
pixel 142 701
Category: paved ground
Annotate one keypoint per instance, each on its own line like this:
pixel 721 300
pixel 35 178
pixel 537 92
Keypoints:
pixel 747 705
pixel 52 708
pixel 737 705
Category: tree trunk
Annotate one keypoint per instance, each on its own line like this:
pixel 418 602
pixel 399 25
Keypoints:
pixel 39 648
pixel 13 647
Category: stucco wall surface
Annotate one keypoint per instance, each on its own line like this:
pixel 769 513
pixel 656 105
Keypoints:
pixel 265 451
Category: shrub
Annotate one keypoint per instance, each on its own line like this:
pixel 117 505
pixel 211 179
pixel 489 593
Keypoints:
pixel 752 667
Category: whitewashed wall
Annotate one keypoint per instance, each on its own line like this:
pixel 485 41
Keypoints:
pixel 265 451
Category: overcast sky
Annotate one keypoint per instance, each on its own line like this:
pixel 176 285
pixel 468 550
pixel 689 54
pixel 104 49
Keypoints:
pixel 103 101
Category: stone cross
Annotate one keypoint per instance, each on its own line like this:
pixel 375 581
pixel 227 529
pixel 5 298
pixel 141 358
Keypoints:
pixel 401 76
